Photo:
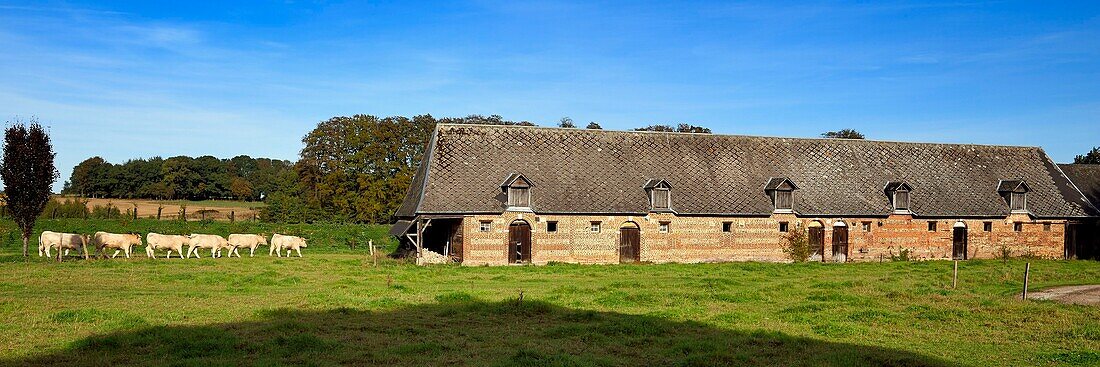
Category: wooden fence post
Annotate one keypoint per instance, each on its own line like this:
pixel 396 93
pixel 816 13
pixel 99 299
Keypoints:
pixel 159 209
pixel 955 275
pixel 1027 272
pixel 232 216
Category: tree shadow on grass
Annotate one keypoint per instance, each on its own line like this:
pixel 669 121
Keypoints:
pixel 462 331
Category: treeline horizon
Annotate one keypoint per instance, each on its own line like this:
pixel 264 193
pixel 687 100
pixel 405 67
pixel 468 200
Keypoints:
pixel 180 177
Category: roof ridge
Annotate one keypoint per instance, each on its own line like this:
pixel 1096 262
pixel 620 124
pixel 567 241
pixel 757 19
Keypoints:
pixel 855 141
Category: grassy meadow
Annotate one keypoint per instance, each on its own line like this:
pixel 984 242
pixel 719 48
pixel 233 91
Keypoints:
pixel 335 306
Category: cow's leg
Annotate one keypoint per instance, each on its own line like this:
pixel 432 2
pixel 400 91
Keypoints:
pixel 252 252
pixel 66 252
pixel 116 253
pixel 299 249
pixel 48 251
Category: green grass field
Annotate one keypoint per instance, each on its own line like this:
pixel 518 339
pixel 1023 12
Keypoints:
pixel 336 307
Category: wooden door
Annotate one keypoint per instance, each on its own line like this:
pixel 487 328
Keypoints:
pixel 817 243
pixel 958 244
pixel 630 245
pixel 840 244
pixel 1071 241
pixel 519 243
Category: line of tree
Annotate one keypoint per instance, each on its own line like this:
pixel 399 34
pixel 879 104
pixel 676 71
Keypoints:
pixel 241 177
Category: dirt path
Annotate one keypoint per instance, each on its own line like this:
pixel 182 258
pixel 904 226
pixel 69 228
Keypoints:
pixel 1077 294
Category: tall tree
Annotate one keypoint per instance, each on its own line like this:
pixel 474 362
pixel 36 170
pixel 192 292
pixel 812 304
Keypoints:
pixel 843 134
pixel 1092 157
pixel 28 172
pixel 566 122
pixel 594 126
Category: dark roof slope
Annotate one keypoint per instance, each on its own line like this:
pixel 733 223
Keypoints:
pixel 1087 179
pixel 598 171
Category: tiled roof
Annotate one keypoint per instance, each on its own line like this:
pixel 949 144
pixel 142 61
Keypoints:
pixel 598 171
pixel 1087 178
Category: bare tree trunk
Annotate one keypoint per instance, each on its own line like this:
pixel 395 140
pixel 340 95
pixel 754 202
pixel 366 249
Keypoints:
pixel 26 239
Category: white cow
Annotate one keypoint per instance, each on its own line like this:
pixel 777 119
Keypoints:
pixel 119 242
pixel 249 241
pixel 62 242
pixel 200 241
pixel 157 241
pixel 280 242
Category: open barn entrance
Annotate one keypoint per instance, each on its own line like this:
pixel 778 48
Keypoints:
pixel 630 243
pixel 443 236
pixel 1082 240
pixel 519 242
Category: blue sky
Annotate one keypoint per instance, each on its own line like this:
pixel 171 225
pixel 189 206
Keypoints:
pixel 125 79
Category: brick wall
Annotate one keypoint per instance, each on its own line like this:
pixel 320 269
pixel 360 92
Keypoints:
pixel 701 239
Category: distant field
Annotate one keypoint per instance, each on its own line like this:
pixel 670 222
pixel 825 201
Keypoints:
pixel 335 307
pixel 216 209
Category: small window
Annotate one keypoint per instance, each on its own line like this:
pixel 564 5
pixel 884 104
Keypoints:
pixel 664 227
pixel 727 227
pixel 594 227
pixel 987 226
pixel 931 226
pixel 1018 226
pixel 486 225
pixel 1046 227
pixel 784 227
pixel 552 226
pixel 784 200
pixel 866 226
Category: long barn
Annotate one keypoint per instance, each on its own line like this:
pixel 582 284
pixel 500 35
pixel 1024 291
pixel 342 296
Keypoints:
pixel 500 195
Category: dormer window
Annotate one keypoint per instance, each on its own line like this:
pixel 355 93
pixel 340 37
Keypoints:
pixel 781 191
pixel 1015 192
pixel 898 192
pixel 660 195
pixel 518 189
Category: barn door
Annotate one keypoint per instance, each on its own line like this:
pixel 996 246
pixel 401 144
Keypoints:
pixel 840 244
pixel 519 243
pixel 817 243
pixel 958 243
pixel 630 245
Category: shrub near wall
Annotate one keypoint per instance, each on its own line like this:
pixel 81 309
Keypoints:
pixel 322 237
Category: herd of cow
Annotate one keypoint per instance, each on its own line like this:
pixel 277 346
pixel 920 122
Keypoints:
pixel 103 241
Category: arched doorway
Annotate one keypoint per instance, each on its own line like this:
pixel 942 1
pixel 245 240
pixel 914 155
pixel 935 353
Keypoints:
pixel 958 241
pixel 816 238
pixel 630 243
pixel 519 242
pixel 840 241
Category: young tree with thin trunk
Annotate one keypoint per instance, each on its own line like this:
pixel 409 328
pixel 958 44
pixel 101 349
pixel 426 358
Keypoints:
pixel 28 172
